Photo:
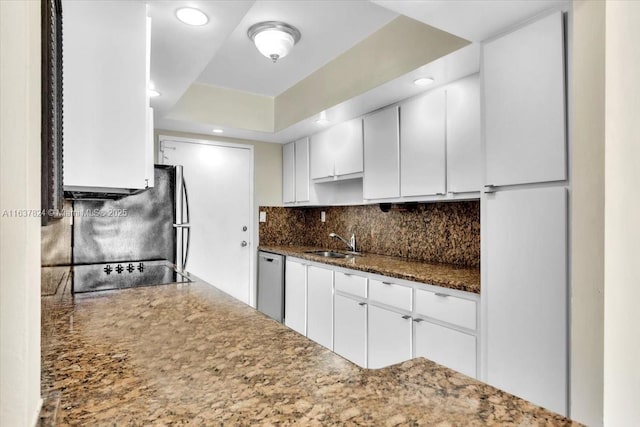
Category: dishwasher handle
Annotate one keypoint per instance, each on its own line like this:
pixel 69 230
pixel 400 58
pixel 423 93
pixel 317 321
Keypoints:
pixel 268 259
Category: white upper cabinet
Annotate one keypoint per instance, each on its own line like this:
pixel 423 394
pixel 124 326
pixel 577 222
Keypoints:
pixel 464 155
pixel 295 171
pixel 524 98
pixel 422 153
pixel 381 155
pixel 288 173
pixel 302 170
pixel 106 107
pixel 337 152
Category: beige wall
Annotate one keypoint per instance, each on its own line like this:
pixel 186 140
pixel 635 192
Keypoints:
pixel 399 47
pixel 225 107
pixel 622 216
pixel 587 211
pixel 267 165
pixel 19 189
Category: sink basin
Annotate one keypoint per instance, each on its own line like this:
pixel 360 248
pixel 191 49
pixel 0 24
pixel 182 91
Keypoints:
pixel 330 254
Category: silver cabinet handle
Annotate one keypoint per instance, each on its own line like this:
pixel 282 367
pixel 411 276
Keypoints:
pixel 244 243
pixel 386 283
pixel 438 294
pixel 184 225
pixel 418 320
pixel 362 304
pixel 347 274
pixel 406 317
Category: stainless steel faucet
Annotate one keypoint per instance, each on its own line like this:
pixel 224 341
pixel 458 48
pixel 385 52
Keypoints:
pixel 351 243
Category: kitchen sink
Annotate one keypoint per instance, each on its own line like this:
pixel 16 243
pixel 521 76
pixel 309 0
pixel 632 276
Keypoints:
pixel 330 254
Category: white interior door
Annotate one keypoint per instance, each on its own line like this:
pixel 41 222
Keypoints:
pixel 219 181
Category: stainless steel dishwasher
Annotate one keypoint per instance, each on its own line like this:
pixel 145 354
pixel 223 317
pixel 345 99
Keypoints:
pixel 271 285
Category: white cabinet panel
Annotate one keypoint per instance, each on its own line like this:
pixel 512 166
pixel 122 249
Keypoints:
pixel 320 305
pixel 337 151
pixel 448 347
pixel 347 147
pixel 350 332
pixel 351 284
pixel 447 308
pixel 525 104
pixel 388 293
pixel 464 156
pixel 288 173
pixel 295 305
pixel 302 170
pixel 526 294
pixel 105 95
pixel 381 155
pixel 389 337
pixel 422 134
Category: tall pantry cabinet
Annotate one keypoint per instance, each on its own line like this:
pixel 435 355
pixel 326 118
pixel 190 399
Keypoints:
pixel 525 204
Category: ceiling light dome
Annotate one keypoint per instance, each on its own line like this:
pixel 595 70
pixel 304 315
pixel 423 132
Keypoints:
pixel 274 39
pixel 192 16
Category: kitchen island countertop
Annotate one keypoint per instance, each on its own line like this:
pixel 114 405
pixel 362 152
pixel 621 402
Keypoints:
pixel 188 353
pixel 445 275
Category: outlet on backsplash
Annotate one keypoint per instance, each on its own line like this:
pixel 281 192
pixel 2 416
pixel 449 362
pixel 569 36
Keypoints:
pixel 437 232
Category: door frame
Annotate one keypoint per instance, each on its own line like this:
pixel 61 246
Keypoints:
pixel 253 228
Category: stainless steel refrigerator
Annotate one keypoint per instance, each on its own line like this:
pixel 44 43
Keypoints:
pixel 122 243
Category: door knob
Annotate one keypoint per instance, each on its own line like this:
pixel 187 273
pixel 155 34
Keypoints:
pixel 244 228
pixel 244 243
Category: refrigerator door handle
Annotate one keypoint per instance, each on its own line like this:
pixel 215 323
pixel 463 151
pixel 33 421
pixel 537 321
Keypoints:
pixel 188 225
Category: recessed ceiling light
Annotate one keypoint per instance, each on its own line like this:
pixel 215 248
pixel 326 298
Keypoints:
pixel 153 93
pixel 192 16
pixel 423 81
pixel 322 119
pixel 217 131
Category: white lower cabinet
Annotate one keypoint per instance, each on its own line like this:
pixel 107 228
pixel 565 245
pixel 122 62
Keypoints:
pixel 295 300
pixel 454 349
pixel 320 305
pixel 389 337
pixel 350 329
pixel 377 321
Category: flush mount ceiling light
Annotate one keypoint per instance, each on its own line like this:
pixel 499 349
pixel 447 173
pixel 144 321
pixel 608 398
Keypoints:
pixel 274 39
pixel 423 81
pixel 192 16
pixel 217 131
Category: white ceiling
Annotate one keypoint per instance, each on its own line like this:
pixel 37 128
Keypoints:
pixel 449 68
pixel 220 53
pixel 180 52
pixel 474 20
pixel 328 28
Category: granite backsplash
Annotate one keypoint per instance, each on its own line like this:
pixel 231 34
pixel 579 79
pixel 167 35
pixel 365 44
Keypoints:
pixel 447 232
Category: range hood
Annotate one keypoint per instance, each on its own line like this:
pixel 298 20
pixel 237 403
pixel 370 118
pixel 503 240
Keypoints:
pixel 98 193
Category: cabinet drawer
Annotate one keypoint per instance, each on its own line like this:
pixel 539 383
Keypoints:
pixel 388 293
pixel 445 307
pixel 351 284
pixel 445 346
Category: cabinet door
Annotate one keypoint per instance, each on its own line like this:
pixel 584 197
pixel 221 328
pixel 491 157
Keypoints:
pixel 453 349
pixel 389 338
pixel 288 173
pixel 295 296
pixel 350 336
pixel 422 130
pixel 105 119
pixel 526 294
pixel 346 147
pixel 381 155
pixel 320 306
pixel 302 170
pixel 321 159
pixel 525 104
pixel 464 156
